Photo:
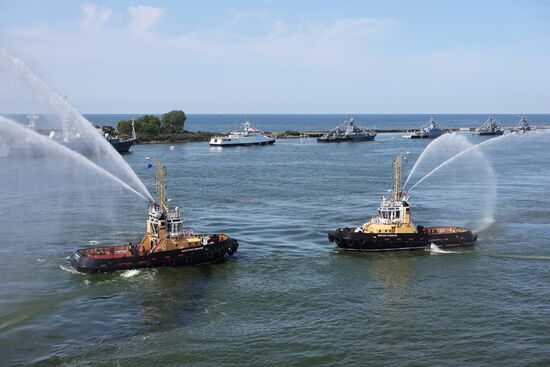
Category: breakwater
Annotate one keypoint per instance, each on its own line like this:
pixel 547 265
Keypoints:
pixel 318 133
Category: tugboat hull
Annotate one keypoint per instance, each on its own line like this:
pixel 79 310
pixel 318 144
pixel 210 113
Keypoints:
pixel 213 252
pixel 348 239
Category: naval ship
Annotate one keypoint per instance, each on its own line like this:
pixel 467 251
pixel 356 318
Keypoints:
pixel 428 131
pixel 523 126
pixel 166 243
pixel 352 133
pixel 248 136
pixel 393 228
pixel 490 127
pixel 122 144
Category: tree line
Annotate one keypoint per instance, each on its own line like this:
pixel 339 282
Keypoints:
pixel 170 125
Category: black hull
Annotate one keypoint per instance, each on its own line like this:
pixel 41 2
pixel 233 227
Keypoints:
pixel 424 137
pixel 269 142
pixel 490 133
pixel 214 252
pixel 337 140
pixel 347 139
pixel 347 239
pixel 122 146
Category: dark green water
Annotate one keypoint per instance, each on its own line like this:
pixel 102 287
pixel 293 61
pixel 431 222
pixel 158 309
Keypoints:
pixel 288 297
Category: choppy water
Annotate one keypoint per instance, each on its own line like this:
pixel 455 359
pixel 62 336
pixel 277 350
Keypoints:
pixel 288 297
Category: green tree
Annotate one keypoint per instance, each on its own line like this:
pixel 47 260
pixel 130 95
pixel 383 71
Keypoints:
pixel 173 122
pixel 147 126
pixel 124 127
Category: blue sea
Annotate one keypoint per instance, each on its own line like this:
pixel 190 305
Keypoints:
pixel 289 297
pixel 215 123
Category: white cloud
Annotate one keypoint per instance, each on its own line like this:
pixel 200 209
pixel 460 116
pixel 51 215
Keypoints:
pixel 143 18
pixel 95 17
pixel 340 42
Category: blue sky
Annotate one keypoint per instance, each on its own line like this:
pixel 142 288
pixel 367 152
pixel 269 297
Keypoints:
pixel 287 56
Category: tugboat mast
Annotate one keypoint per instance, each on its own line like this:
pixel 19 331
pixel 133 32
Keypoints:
pixel 397 165
pixel 161 186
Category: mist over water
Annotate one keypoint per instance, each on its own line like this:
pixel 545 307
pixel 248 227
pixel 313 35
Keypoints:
pixel 453 157
pixel 65 124
pixel 437 151
pixel 469 181
pixel 18 143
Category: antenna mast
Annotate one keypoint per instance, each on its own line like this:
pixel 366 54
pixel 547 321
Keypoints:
pixel 397 165
pixel 133 129
pixel 161 187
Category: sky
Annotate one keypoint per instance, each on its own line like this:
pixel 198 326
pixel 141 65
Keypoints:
pixel 285 56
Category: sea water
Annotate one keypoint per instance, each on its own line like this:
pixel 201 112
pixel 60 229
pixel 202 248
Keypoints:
pixel 288 297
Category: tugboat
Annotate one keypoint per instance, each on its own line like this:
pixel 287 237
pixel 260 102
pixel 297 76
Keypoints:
pixel 352 133
pixel 393 228
pixel 523 126
pixel 428 131
pixel 490 127
pixel 248 136
pixel 166 243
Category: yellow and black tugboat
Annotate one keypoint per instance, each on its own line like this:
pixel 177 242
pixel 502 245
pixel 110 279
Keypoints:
pixel 393 228
pixel 166 243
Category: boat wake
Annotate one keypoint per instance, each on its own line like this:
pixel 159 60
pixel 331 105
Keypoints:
pixel 130 273
pixel 70 269
pixel 434 249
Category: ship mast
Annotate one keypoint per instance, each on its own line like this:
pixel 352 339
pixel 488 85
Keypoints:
pixel 161 187
pixel 397 165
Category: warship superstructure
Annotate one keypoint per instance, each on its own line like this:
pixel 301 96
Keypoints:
pixel 428 131
pixel 523 126
pixel 490 127
pixel 352 133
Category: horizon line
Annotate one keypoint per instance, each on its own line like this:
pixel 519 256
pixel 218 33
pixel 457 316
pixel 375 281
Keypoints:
pixel 289 113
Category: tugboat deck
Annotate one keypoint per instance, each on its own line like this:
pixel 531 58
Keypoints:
pixel 111 252
pixel 444 230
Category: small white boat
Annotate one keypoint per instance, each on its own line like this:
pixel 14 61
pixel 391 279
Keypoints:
pixel 248 136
